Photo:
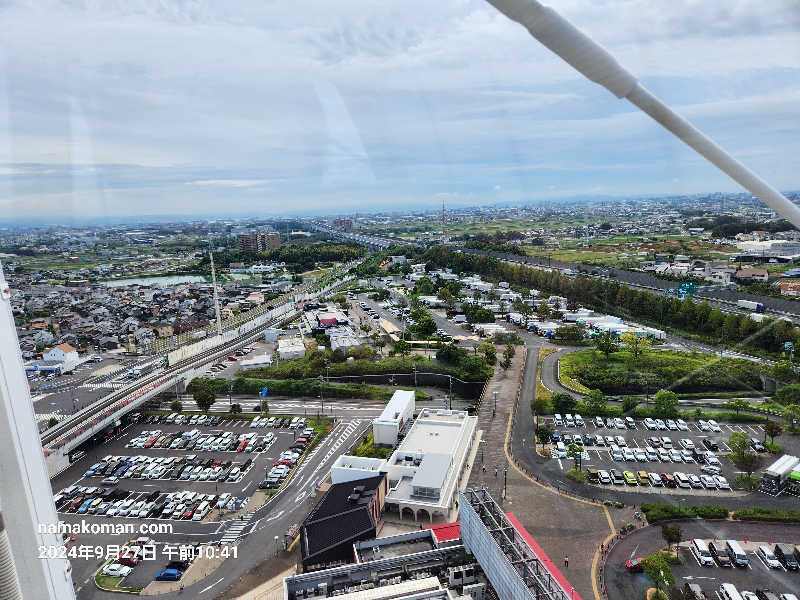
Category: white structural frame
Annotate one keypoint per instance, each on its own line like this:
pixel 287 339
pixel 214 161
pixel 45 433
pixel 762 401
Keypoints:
pixel 26 497
pixel 594 62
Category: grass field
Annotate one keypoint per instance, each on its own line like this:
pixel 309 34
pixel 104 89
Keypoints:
pixel 686 372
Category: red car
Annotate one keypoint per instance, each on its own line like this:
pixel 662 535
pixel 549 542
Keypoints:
pixel 301 440
pixel 129 559
pixel 634 565
pixel 284 461
pixel 668 480
pixel 233 358
pixel 242 445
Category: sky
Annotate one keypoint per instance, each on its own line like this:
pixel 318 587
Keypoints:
pixel 265 107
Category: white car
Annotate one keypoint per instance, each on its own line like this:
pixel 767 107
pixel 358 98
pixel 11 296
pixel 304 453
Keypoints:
pixel 640 455
pixel 663 455
pixel 714 426
pixel 768 557
pixel 687 443
pixel 712 460
pixel 703 425
pixel 687 456
pixel 722 483
pixel 619 423
pixel 651 453
pixel 650 423
pixel 675 456
pixel 660 424
pixel 694 481
pixel 708 482
pixel 711 470
pixel 604 477
pixel 628 455
pixel 682 425
pixel 672 425
pixel 117 570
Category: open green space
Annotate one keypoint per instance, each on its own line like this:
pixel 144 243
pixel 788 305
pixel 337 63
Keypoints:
pixel 689 372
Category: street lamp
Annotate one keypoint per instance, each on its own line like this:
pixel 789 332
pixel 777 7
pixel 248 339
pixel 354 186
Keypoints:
pixel 276 545
pixel 321 399
pixel 494 410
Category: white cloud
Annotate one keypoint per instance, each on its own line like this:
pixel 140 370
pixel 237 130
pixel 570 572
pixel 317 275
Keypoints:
pixel 236 183
pixel 363 101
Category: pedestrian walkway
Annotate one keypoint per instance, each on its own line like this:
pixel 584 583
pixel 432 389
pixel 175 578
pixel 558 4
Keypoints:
pixel 234 530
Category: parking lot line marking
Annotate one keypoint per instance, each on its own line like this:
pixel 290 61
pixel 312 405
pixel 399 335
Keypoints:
pixel 205 589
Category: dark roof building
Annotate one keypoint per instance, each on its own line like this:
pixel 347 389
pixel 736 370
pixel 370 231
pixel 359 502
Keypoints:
pixel 347 513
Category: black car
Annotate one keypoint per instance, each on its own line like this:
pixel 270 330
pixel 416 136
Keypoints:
pixel 785 554
pixel 176 472
pixel 720 556
pixel 711 444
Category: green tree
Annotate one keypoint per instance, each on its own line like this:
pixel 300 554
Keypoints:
pixel 783 371
pixel 750 462
pixel 658 569
pixel 510 351
pixel 575 452
pixel 544 434
pixel 176 406
pixel 424 287
pixel 379 344
pixel 265 406
pixel 773 430
pixel 629 403
pixel 596 402
pixel 606 342
pixel 402 347
pixel 563 403
pixel 52 421
pixel 739 444
pixel 665 404
pixel 426 326
pixel 542 310
pixel 788 394
pixel 541 406
pixel 204 397
pixel 672 534
pixel 236 408
pixel 505 364
pixel 792 415
pixel 489 351
pixel 737 404
pixel 636 345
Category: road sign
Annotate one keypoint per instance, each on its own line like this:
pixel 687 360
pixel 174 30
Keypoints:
pixel 264 392
pixel 788 346
pixel 685 289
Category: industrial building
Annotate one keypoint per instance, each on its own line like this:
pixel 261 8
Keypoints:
pixel 398 412
pixel 291 347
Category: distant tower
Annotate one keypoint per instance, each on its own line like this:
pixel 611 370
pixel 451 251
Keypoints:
pixel 444 218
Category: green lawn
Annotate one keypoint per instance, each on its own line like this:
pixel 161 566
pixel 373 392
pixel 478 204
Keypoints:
pixel 679 371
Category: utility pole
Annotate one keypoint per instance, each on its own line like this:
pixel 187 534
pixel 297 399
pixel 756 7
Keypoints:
pixel 321 399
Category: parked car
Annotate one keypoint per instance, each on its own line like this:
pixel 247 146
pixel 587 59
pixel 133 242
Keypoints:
pixel 169 575
pixel 116 570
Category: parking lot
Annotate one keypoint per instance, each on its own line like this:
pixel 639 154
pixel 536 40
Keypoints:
pixel 652 455
pixel 704 566
pixel 757 576
pixel 185 471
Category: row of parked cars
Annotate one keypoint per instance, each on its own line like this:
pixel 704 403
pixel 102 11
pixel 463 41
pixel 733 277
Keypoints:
pixel 184 468
pixel 283 465
pixel 194 440
pixel 663 479
pixel 726 554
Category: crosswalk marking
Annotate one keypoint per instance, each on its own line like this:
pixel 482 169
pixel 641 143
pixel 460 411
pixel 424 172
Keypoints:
pixel 233 532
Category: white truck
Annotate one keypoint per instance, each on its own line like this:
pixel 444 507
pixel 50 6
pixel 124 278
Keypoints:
pixel 750 305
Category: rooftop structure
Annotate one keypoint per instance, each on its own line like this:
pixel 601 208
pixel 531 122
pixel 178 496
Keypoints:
pixel 347 512
pixel 289 348
pixel 397 413
pixel 350 468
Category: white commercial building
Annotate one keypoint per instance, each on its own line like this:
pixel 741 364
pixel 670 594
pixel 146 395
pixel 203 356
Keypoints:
pixel 425 469
pixel 289 348
pixel 63 353
pixel 398 412
pixel 343 338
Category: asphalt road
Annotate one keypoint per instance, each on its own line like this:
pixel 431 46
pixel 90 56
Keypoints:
pixel 257 535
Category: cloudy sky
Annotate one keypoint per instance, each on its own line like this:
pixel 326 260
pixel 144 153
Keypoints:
pixel 121 107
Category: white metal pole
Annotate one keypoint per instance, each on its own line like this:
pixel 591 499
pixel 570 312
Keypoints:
pixel 26 497
pixel 594 62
